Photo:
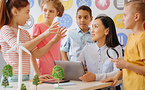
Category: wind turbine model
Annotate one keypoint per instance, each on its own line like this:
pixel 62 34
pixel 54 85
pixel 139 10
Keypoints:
pixel 21 47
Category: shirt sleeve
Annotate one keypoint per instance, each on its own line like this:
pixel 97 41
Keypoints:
pixel 65 44
pixel 141 48
pixel 9 36
pixel 82 56
pixel 36 30
pixel 103 76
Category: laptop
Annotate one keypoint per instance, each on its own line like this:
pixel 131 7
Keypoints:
pixel 72 69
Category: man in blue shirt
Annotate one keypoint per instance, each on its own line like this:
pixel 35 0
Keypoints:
pixel 77 38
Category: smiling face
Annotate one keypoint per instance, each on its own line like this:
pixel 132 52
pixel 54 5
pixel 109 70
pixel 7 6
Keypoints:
pixel 83 19
pixel 49 12
pixel 22 15
pixel 99 32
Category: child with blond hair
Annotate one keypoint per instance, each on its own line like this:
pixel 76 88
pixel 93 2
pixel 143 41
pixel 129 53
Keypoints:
pixel 133 64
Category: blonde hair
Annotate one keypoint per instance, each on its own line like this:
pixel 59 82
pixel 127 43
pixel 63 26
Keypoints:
pixel 137 7
pixel 56 3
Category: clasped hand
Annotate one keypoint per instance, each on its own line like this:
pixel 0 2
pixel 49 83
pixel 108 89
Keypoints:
pixel 120 63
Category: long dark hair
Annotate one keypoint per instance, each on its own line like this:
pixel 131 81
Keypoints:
pixel 111 38
pixel 6 7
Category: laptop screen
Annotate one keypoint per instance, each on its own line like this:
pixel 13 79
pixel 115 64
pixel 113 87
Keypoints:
pixel 72 69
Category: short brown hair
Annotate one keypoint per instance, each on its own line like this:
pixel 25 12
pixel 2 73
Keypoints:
pixel 83 7
pixel 56 3
pixel 137 7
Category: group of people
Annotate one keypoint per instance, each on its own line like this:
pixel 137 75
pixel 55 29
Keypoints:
pixel 83 43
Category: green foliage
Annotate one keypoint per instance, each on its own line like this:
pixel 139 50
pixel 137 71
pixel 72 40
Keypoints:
pixel 23 87
pixel 58 72
pixel 7 71
pixel 5 82
pixel 36 80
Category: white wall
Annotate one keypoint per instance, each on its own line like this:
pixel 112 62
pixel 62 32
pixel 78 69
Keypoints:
pixel 112 8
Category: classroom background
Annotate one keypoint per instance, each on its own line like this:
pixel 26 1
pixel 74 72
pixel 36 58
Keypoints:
pixel 112 8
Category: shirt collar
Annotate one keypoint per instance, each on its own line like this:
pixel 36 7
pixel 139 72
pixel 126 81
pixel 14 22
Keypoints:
pixel 79 30
pixel 14 29
pixel 101 48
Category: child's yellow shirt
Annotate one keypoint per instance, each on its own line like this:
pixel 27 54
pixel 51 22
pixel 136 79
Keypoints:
pixel 134 53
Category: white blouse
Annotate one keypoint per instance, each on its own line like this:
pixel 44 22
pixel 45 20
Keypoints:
pixel 98 62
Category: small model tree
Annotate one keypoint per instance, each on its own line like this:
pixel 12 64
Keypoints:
pixel 5 82
pixel 23 87
pixel 58 73
pixel 36 80
pixel 7 72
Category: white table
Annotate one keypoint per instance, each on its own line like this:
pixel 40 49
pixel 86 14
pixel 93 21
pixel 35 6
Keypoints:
pixel 79 85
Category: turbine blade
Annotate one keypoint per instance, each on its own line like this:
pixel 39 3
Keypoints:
pixel 11 49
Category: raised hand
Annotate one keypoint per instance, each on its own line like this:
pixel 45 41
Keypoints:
pixel 60 34
pixel 52 29
pixel 120 63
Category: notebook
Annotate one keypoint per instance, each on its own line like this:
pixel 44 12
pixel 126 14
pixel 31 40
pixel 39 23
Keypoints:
pixel 72 69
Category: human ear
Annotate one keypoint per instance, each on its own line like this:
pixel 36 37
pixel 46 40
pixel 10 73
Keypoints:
pixel 91 18
pixel 137 16
pixel 14 11
pixel 106 31
pixel 57 13
pixel 76 17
